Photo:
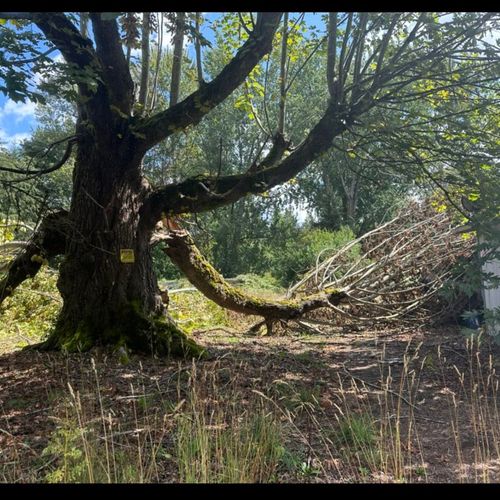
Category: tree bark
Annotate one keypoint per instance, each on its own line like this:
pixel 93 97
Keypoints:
pixel 109 299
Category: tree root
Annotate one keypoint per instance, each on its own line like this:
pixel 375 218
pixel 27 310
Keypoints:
pixel 131 330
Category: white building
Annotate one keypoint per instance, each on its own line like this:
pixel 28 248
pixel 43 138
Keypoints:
pixel 491 295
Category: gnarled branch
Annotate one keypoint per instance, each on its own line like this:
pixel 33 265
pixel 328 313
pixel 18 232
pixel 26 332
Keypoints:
pixel 185 255
pixel 48 241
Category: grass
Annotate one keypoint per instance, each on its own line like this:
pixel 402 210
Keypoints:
pixel 476 388
pixel 208 423
pixel 218 442
pixel 207 434
pixel 208 426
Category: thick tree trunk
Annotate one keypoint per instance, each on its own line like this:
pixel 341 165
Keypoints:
pixel 111 297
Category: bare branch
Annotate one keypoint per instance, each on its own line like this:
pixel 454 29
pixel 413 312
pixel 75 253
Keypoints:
pixel 71 142
pixel 401 267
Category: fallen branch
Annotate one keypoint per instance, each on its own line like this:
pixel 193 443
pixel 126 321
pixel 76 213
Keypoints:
pixel 185 255
pixel 395 271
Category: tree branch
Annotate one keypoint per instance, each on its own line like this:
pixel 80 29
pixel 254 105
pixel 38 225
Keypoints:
pixel 113 62
pixel 198 194
pixel 197 46
pixel 48 241
pixel 75 48
pixel 192 109
pixel 143 89
pixel 71 142
pixel 177 58
pixel 185 255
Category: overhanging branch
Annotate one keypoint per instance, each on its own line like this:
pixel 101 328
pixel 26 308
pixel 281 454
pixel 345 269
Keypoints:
pixel 67 153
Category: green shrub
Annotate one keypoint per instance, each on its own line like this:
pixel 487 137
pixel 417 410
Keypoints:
pixel 192 311
pixel 298 256
pixel 29 314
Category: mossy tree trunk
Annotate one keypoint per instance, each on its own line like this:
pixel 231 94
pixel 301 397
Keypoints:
pixel 110 298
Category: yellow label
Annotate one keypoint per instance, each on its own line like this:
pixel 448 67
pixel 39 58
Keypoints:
pixel 127 256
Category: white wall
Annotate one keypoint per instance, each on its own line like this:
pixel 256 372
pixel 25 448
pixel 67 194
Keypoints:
pixel 491 296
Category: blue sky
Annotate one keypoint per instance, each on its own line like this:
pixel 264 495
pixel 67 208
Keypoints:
pixel 17 120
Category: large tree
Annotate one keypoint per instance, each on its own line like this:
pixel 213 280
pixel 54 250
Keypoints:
pixel 106 279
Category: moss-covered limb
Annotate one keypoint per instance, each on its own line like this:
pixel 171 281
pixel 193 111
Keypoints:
pixel 130 330
pixel 185 255
pixel 48 241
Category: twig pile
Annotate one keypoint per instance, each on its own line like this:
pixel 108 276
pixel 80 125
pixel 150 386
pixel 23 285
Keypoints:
pixel 395 271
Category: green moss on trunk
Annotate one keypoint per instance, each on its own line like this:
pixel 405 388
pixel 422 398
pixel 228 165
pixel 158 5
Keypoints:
pixel 131 329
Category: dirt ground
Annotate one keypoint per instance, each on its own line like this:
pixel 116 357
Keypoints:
pixel 429 372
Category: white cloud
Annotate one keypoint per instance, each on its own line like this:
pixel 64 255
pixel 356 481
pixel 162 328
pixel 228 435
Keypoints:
pixel 17 111
pixel 14 113
pixel 9 141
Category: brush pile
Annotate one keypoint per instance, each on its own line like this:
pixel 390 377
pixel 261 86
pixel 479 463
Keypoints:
pixel 396 271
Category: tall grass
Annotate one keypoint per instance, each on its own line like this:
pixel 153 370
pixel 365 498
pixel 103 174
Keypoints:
pixel 476 389
pixel 211 426
pixel 219 441
pixel 372 430
pixel 90 445
pixel 209 434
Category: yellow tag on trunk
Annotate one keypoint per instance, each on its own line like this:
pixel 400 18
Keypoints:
pixel 127 256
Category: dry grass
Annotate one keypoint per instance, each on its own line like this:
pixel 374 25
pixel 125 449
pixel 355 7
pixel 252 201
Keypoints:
pixel 256 414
